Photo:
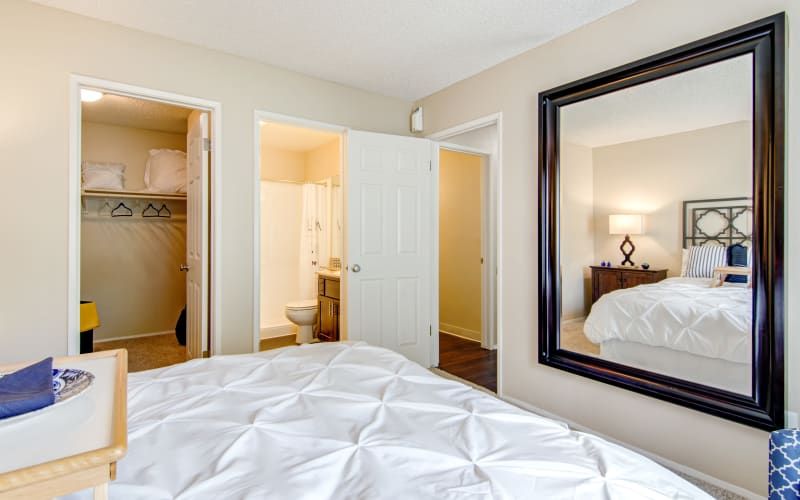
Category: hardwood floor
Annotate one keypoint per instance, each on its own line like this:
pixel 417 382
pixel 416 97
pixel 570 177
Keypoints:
pixel 466 359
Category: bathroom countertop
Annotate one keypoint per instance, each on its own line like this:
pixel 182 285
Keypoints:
pixel 327 273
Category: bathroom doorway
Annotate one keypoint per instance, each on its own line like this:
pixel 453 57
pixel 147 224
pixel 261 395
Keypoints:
pixel 300 233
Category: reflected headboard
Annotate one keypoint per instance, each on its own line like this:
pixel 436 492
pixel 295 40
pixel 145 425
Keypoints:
pixel 721 221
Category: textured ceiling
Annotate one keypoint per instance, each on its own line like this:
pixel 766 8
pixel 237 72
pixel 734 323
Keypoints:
pixel 296 139
pixel 139 113
pixel 705 97
pixel 402 48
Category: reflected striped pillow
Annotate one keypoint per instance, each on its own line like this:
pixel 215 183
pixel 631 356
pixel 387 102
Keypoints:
pixel 703 260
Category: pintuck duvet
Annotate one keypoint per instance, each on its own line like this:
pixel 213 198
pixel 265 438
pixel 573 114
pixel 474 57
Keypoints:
pixel 682 314
pixel 352 421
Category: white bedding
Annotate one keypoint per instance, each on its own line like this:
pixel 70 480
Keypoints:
pixel 352 421
pixel 720 373
pixel 682 314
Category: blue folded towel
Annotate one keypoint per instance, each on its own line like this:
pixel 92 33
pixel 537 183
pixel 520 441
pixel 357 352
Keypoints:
pixel 27 389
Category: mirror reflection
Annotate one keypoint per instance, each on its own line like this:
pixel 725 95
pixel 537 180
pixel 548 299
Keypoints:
pixel 656 224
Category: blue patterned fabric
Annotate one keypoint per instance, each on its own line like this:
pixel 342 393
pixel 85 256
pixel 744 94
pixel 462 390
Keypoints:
pixel 27 389
pixel 784 465
pixel 738 255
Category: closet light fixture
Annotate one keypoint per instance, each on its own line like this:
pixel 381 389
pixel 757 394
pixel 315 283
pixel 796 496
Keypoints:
pixel 88 95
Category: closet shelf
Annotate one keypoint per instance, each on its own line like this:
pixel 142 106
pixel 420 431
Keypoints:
pixel 141 195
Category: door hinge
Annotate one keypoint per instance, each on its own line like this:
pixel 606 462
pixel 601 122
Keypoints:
pixel 430 165
pixel 206 144
pixel 430 331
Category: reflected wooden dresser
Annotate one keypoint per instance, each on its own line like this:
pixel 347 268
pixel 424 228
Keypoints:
pixel 608 279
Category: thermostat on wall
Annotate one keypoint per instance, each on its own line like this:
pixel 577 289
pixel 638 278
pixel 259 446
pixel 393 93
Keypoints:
pixel 416 120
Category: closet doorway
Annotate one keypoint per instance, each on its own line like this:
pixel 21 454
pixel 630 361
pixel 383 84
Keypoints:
pixel 140 249
pixel 470 333
pixel 300 234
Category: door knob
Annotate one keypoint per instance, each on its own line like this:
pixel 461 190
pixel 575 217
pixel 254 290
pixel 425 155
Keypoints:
pixel 356 268
pixel 184 267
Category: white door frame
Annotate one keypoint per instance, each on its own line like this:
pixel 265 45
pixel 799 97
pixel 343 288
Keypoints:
pixel 214 108
pixel 267 116
pixel 492 333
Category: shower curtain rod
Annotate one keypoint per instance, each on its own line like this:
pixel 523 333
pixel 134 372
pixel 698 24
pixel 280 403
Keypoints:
pixel 287 181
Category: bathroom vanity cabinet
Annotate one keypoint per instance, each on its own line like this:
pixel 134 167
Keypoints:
pixel 328 317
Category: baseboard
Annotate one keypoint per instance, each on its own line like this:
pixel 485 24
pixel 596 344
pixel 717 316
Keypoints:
pixel 457 331
pixel 652 456
pixel 137 336
pixel 268 332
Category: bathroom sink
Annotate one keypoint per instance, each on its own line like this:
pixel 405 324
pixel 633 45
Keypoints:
pixel 329 273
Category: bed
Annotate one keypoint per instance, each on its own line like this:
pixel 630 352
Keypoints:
pixel 681 327
pixel 350 420
pixel 688 327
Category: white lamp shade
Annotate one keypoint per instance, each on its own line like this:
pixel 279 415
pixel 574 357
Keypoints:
pixel 625 224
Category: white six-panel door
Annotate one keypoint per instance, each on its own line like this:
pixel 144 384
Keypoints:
pixel 196 235
pixel 389 242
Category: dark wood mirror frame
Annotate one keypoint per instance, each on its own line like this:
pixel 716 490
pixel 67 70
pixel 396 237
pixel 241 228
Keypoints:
pixel 765 40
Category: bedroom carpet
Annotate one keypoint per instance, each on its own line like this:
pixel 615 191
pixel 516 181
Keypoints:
pixel 468 360
pixel 146 353
pixel 573 339
pixel 715 491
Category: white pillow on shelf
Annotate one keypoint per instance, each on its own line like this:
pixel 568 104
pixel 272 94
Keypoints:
pixel 103 175
pixel 165 171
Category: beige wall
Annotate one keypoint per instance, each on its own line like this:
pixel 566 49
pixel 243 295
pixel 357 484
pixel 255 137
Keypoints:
pixel 460 244
pixel 127 145
pixel 324 161
pixel 577 230
pixel 40 47
pixel 724 449
pixel 282 165
pixel 654 177
pixel 301 166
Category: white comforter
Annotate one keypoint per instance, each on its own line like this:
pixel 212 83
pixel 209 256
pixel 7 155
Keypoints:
pixel 352 421
pixel 683 314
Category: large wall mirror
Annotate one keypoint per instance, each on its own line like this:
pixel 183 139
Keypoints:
pixel 661 225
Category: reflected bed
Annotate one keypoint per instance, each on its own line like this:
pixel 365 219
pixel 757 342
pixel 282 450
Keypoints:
pixel 680 327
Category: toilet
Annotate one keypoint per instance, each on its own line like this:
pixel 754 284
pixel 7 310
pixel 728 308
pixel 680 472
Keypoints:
pixel 303 313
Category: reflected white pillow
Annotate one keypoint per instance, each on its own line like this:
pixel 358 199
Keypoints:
pixel 102 175
pixel 165 171
pixel 684 261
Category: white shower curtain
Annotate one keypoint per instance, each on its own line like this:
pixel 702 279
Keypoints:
pixel 313 238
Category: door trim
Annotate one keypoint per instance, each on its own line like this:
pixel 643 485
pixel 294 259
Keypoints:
pixel 214 108
pixel 268 116
pixel 492 233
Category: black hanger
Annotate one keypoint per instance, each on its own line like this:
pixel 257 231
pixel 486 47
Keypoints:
pixel 151 211
pixel 165 209
pixel 121 210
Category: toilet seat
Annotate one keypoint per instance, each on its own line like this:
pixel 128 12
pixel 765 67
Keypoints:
pixel 302 304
